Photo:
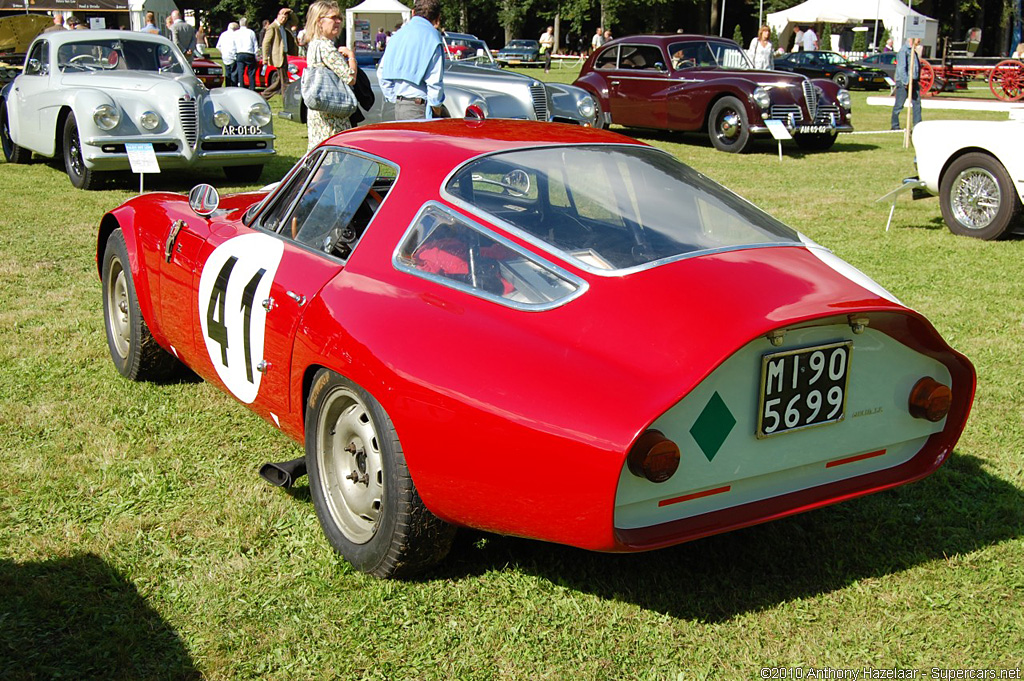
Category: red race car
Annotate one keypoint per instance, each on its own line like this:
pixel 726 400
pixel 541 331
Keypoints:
pixel 266 73
pixel 539 300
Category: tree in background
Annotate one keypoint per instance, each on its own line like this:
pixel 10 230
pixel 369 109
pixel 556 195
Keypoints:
pixel 860 41
pixel 825 39
pixel 737 34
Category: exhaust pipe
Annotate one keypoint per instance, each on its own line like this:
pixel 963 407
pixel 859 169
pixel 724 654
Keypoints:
pixel 285 473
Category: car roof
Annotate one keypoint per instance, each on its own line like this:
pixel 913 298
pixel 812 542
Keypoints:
pixel 665 38
pixel 64 37
pixel 450 142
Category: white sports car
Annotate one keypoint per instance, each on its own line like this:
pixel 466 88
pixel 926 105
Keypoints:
pixel 976 168
pixel 85 95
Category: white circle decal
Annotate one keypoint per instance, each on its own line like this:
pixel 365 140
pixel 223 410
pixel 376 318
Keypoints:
pixel 235 282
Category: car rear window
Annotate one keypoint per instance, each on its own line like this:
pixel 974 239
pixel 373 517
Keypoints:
pixel 610 208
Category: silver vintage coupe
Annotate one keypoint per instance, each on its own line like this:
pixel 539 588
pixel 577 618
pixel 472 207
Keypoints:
pixel 85 95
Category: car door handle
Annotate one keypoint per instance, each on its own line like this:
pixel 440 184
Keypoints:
pixel 269 304
pixel 297 297
pixel 614 82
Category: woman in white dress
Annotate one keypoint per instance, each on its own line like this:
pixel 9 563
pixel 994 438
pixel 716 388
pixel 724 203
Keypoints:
pixel 760 51
pixel 323 26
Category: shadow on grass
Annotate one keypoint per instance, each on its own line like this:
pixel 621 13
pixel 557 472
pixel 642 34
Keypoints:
pixel 959 509
pixel 78 618
pixel 759 145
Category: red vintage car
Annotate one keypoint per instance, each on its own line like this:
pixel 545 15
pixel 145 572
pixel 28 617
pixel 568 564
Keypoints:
pixel 267 73
pixel 706 83
pixel 539 300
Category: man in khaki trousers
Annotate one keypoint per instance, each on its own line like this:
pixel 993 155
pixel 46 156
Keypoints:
pixel 278 43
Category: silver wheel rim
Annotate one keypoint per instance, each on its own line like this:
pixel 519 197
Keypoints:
pixel 349 460
pixel 728 127
pixel 975 198
pixel 118 311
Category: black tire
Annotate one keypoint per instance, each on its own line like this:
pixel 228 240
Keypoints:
pixel 842 80
pixel 12 152
pixel 363 494
pixel 243 174
pixel 978 197
pixel 728 127
pixel 816 142
pixel 133 349
pixel 80 176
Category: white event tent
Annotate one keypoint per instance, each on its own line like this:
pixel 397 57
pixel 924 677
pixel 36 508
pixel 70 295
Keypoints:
pixel 374 15
pixel 892 13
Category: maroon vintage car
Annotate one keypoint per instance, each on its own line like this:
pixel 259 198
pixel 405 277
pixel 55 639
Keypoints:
pixel 208 71
pixel 695 82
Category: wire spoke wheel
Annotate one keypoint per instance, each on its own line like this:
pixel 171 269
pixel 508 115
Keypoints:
pixel 1007 80
pixel 975 198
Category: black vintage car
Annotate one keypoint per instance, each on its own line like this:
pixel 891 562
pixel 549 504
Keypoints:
pixel 823 64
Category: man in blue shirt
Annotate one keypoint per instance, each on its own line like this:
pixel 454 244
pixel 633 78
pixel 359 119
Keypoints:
pixel 411 72
pixel 902 78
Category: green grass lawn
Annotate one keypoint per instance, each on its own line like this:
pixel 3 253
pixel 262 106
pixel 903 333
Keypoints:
pixel 136 540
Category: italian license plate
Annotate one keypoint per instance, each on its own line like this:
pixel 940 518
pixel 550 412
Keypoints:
pixel 814 129
pixel 240 130
pixel 803 388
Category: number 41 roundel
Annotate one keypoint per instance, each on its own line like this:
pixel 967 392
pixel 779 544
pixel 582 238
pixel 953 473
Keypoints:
pixel 236 279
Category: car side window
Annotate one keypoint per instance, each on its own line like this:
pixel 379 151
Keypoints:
pixel 38 61
pixel 691 55
pixel 446 247
pixel 641 57
pixel 328 206
pixel 607 59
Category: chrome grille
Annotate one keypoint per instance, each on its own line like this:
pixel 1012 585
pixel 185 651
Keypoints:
pixel 540 101
pixel 811 95
pixel 187 116
pixel 826 112
pixel 782 112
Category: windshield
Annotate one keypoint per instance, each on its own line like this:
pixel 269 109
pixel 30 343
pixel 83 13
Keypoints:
pixel 520 44
pixel 832 58
pixel 700 54
pixel 612 208
pixel 119 55
pixel 468 49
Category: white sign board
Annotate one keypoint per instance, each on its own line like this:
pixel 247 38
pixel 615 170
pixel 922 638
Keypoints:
pixel 97 23
pixel 914 27
pixel 142 157
pixel 778 129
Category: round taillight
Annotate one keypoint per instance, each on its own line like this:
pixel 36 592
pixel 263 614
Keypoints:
pixel 653 457
pixel 930 400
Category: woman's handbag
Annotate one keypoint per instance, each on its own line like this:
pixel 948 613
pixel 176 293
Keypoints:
pixel 323 91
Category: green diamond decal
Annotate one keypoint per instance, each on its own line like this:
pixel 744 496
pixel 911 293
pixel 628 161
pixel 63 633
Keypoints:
pixel 712 426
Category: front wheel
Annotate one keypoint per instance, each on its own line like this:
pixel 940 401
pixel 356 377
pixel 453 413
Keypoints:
pixel 727 125
pixel 12 152
pixel 816 142
pixel 842 80
pixel 977 197
pixel 74 163
pixel 364 497
pixel 135 352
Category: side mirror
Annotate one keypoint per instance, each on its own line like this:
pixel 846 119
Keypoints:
pixel 204 200
pixel 658 65
pixel 33 67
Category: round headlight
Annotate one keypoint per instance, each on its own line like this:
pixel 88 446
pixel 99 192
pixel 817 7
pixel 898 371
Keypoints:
pixel 586 107
pixel 221 118
pixel 844 99
pixel 149 120
pixel 762 98
pixel 259 113
pixel 107 117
